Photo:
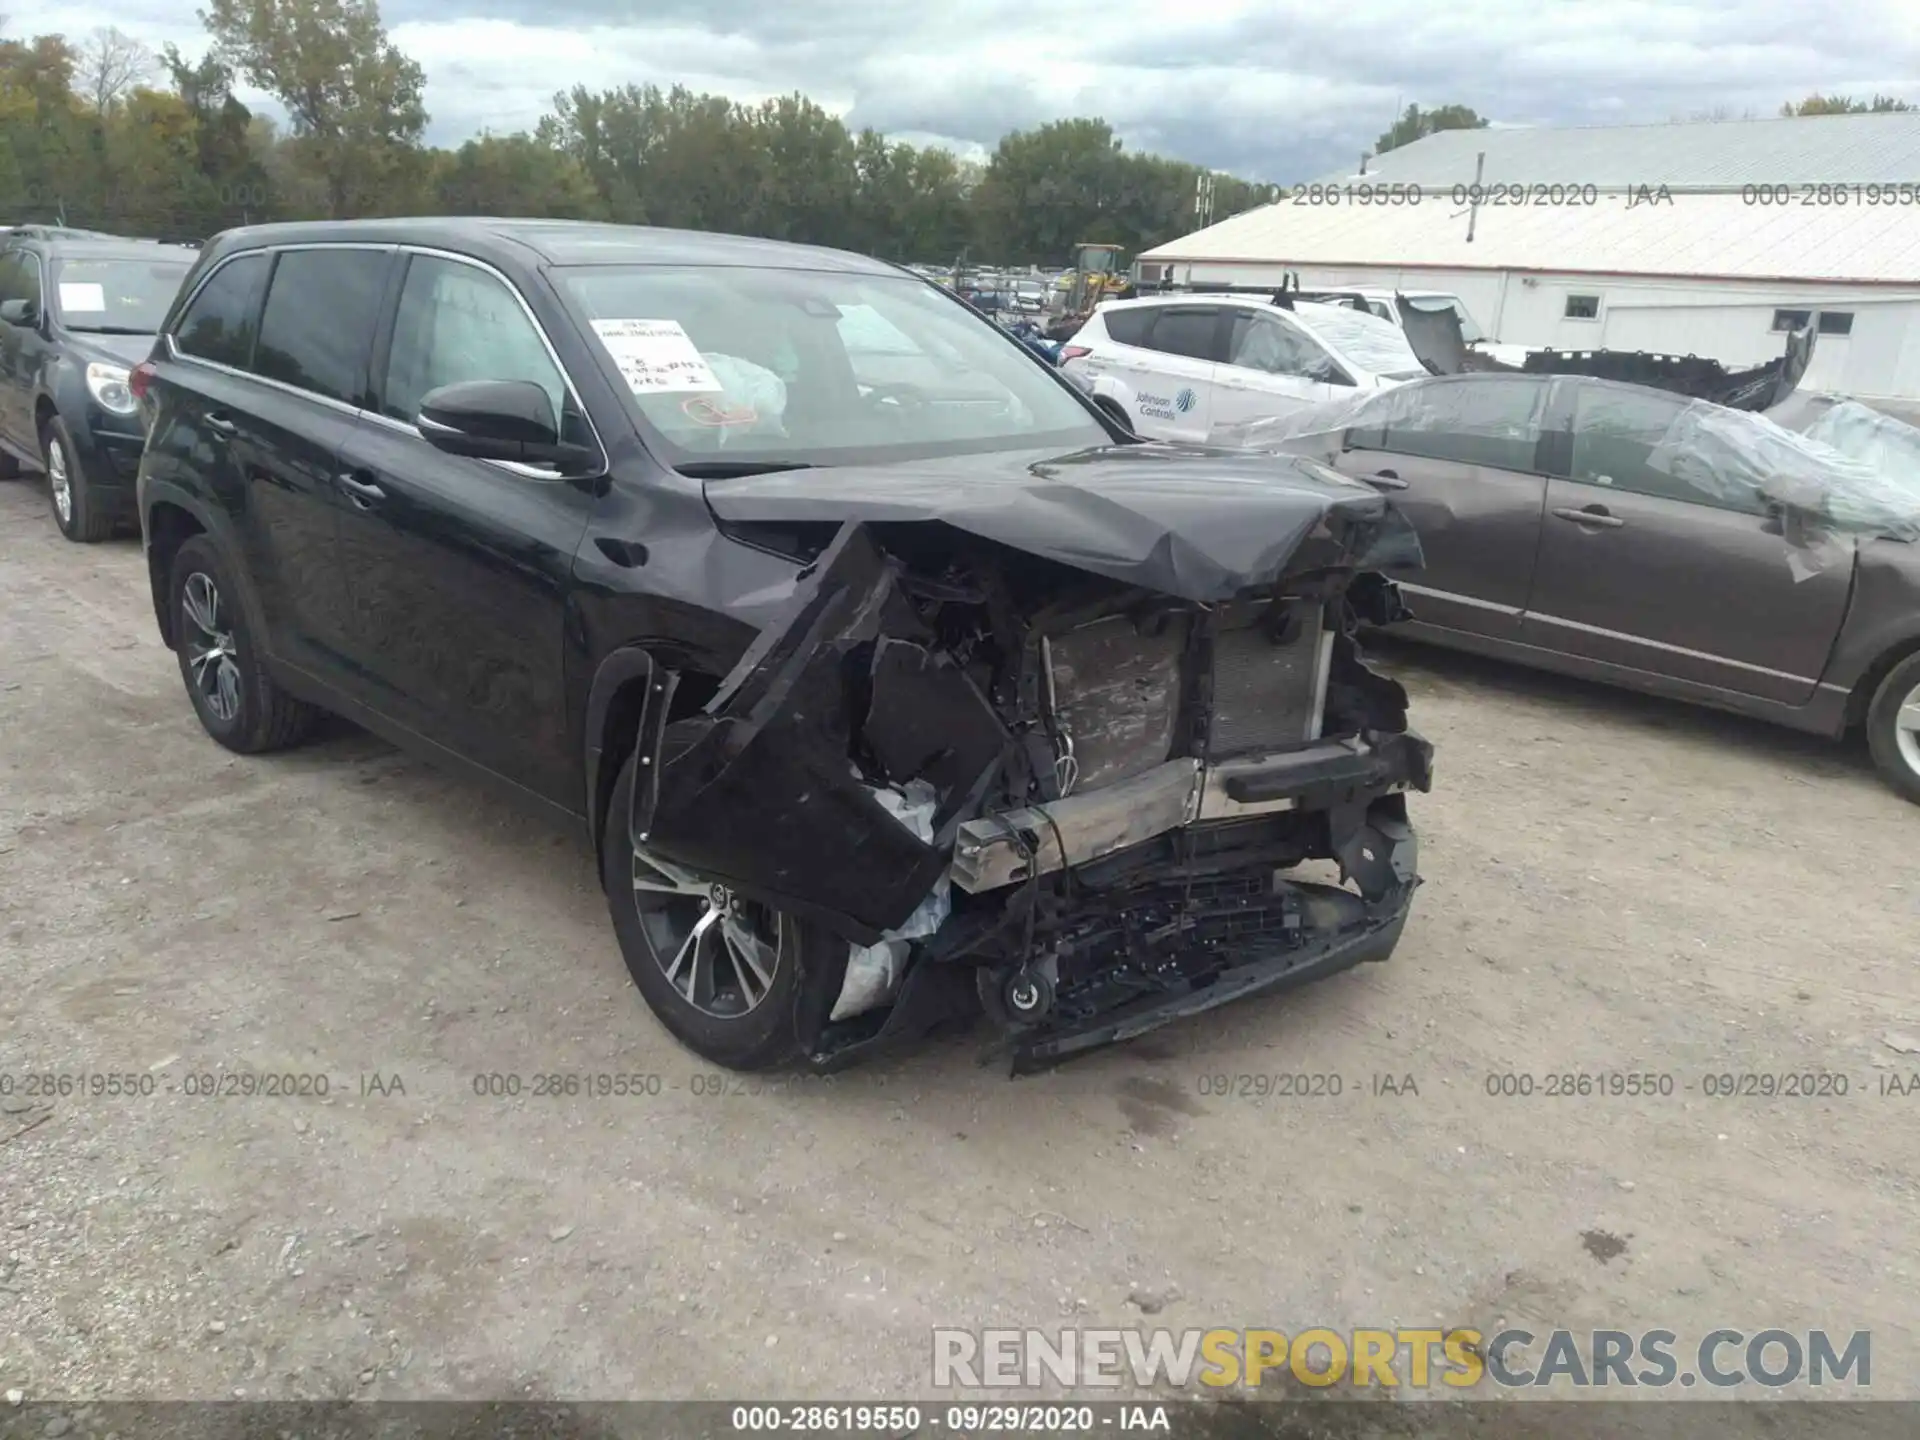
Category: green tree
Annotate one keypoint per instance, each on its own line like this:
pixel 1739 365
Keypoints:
pixel 56 151
pixel 1843 105
pixel 806 160
pixel 1416 123
pixel 353 97
pixel 228 183
pixel 513 175
pixel 1046 190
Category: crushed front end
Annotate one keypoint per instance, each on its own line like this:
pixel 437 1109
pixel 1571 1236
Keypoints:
pixel 1010 784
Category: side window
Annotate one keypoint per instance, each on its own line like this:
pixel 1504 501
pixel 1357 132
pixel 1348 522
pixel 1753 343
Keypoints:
pixel 1615 434
pixel 1260 342
pixel 20 276
pixel 322 306
pixel 221 323
pixel 13 280
pixel 457 322
pixel 1128 327
pixel 1184 330
pixel 1495 423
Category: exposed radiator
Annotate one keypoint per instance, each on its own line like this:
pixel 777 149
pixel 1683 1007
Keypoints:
pixel 1267 695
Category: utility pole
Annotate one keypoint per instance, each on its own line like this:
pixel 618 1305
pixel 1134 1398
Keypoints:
pixel 1473 196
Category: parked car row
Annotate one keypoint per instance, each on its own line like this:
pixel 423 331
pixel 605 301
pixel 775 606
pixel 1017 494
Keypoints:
pixel 890 676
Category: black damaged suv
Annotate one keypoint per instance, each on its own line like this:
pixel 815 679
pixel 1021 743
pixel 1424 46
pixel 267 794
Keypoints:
pixel 890 679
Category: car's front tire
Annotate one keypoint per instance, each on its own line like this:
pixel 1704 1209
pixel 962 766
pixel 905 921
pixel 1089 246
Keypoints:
pixel 729 978
pixel 238 703
pixel 1893 728
pixel 77 510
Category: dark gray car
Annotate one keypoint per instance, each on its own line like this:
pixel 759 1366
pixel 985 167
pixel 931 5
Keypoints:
pixel 1634 536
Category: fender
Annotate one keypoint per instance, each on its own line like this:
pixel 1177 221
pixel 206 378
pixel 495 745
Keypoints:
pixel 1106 387
pixel 213 523
pixel 619 669
pixel 1881 625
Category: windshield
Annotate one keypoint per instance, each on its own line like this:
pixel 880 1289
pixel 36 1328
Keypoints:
pixel 1375 345
pixel 819 367
pixel 1433 304
pixel 116 297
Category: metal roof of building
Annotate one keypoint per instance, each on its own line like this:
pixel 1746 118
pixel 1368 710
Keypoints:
pixel 1693 235
pixel 1805 150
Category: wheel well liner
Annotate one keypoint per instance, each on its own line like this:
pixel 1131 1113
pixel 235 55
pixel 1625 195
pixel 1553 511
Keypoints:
pixel 168 528
pixel 1863 691
pixel 616 703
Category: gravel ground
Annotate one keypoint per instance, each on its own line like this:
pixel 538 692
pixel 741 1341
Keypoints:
pixel 1613 884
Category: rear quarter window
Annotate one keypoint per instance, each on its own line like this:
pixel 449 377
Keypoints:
pixel 221 321
pixel 318 324
pixel 1184 330
pixel 1128 327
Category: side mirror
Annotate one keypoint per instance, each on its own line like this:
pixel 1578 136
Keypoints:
pixel 19 312
pixel 494 420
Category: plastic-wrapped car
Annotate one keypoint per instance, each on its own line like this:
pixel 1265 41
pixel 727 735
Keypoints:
pixel 1662 543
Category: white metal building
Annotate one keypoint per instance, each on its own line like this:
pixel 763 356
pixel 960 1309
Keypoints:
pixel 1762 225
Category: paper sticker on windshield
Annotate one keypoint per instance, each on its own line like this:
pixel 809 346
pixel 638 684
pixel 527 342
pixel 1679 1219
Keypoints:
pixel 655 356
pixel 83 297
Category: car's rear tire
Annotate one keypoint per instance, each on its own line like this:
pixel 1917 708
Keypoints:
pixel 238 703
pixel 76 508
pixel 1893 728
pixel 745 1013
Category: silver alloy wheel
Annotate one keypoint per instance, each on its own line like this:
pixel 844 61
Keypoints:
pixel 720 952
pixel 59 480
pixel 211 658
pixel 1906 729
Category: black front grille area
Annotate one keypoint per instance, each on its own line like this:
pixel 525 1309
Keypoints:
pixel 1170 935
pixel 1266 691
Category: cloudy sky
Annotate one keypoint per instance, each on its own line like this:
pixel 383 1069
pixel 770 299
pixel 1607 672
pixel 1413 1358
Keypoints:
pixel 1281 90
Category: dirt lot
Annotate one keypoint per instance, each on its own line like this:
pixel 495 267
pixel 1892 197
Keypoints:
pixel 1613 884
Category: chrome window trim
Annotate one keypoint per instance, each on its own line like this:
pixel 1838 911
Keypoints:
pixel 174 352
pixel 573 391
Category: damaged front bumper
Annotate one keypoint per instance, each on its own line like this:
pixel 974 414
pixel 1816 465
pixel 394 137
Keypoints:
pixel 1005 849
pixel 854 768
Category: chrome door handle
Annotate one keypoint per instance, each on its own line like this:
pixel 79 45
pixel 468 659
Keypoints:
pixel 1595 515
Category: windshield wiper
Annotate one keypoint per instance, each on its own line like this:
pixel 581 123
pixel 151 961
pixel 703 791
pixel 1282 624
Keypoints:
pixel 108 330
pixel 736 469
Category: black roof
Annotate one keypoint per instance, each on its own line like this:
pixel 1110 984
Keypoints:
pixel 554 242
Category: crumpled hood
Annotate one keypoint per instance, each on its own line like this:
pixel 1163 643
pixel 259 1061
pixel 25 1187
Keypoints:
pixel 1197 523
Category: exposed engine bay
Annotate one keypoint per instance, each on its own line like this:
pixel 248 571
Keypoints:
pixel 1011 784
